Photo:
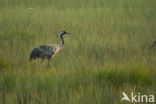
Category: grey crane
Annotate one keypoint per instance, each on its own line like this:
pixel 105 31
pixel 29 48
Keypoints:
pixel 154 44
pixel 47 51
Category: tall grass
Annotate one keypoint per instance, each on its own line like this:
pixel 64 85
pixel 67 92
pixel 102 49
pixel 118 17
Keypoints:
pixel 107 53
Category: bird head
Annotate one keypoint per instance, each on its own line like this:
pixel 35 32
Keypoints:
pixel 64 32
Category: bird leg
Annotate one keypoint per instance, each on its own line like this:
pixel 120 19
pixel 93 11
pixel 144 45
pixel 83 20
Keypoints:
pixel 48 62
pixel 42 60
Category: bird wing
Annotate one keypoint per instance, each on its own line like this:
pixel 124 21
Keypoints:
pixel 35 53
pixel 47 50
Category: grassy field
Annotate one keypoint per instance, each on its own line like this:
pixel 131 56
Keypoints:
pixel 107 53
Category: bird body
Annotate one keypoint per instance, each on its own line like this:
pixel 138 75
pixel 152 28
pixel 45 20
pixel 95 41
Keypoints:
pixel 154 44
pixel 47 51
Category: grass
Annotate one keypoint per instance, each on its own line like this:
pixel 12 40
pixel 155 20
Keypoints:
pixel 107 53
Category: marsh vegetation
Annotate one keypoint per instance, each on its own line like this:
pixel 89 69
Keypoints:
pixel 107 53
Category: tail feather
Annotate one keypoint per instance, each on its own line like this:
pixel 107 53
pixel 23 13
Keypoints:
pixel 34 54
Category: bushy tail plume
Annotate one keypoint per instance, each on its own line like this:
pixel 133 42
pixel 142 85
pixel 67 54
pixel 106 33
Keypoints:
pixel 34 54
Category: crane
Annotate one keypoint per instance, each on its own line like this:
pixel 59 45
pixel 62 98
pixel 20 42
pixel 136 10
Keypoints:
pixel 48 51
pixel 154 44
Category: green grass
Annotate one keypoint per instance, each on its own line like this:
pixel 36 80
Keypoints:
pixel 107 53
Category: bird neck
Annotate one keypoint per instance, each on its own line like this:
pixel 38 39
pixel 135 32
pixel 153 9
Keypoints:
pixel 62 41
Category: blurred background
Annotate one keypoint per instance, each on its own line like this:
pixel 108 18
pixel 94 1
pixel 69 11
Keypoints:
pixel 108 52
